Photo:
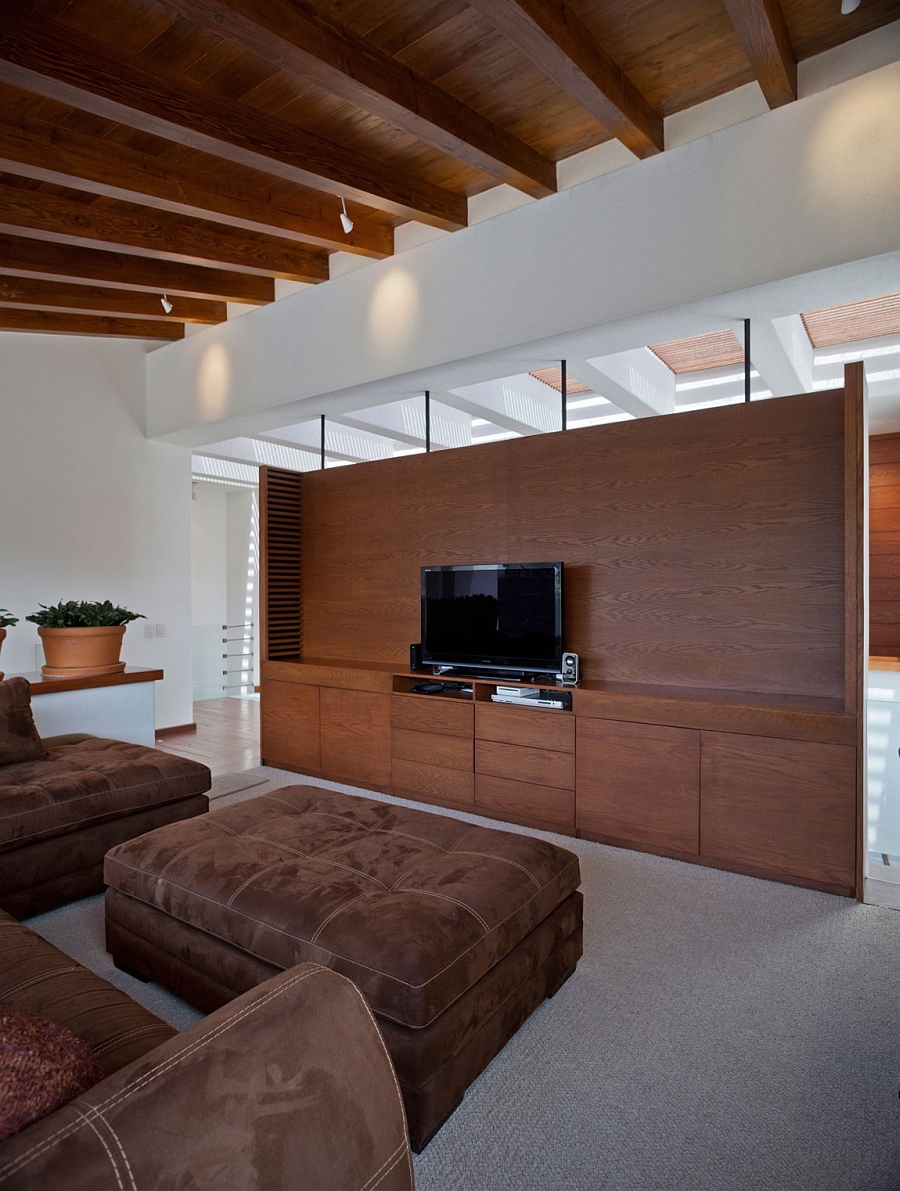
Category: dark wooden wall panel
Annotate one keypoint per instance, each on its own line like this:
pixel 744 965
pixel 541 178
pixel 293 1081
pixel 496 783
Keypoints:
pixel 884 545
pixel 704 549
pixel 368 529
pixel 281 581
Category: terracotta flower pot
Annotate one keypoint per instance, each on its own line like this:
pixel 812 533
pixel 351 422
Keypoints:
pixel 2 639
pixel 72 653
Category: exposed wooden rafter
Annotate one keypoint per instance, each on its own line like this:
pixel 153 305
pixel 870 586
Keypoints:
pixel 155 233
pixel 763 34
pixel 554 38
pixel 304 41
pixel 33 294
pixel 87 324
pixel 59 63
pixel 25 257
pixel 57 154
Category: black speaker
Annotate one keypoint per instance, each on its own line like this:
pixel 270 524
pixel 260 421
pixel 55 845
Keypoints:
pixel 415 656
pixel 569 672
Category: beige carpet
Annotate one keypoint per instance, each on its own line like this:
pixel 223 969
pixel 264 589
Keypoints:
pixel 720 1033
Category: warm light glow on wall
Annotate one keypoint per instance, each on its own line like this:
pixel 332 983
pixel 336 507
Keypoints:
pixel 854 156
pixel 214 381
pixel 394 313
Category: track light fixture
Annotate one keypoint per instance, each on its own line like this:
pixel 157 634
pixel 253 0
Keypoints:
pixel 848 6
pixel 166 304
pixel 346 221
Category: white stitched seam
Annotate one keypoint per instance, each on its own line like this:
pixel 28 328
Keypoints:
pixel 16 988
pixel 92 794
pixel 125 1035
pixel 249 881
pixel 197 843
pixel 379 1174
pixel 503 859
pixel 156 1072
pixel 446 898
pixel 121 1150
pixel 334 914
pixel 102 1141
pixel 300 939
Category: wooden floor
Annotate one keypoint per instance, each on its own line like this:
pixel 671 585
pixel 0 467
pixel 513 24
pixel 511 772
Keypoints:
pixel 227 736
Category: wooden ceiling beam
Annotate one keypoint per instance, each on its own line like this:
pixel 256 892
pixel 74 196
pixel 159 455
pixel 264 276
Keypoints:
pixel 86 324
pixel 56 154
pixel 555 40
pixel 26 257
pixel 296 37
pixel 763 34
pixel 34 294
pixel 53 60
pixel 154 233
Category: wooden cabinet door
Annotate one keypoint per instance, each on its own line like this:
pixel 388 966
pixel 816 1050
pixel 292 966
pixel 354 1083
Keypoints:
pixel 638 783
pixel 289 725
pixel 356 737
pixel 785 808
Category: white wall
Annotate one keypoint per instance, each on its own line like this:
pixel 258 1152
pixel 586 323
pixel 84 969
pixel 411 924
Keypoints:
pixel 91 509
pixel 792 193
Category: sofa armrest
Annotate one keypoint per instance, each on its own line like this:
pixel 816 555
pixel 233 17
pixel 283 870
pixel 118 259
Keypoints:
pixel 288 1086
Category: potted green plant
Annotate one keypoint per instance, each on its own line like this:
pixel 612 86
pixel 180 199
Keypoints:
pixel 7 620
pixel 82 637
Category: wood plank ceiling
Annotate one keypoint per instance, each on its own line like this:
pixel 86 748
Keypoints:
pixel 201 148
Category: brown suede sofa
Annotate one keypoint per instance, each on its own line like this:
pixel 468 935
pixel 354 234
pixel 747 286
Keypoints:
pixel 288 1086
pixel 65 801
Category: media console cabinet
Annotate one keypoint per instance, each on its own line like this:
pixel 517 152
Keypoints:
pixel 714 590
pixel 742 784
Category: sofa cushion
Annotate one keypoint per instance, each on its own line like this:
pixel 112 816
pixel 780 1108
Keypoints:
pixel 40 978
pixel 42 1067
pixel 19 739
pixel 84 780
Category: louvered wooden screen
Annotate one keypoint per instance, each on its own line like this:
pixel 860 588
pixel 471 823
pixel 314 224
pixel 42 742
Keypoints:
pixel 281 600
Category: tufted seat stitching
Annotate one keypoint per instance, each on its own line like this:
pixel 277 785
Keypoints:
pixel 349 959
pixel 504 859
pixel 447 898
pixel 334 913
pixel 154 1073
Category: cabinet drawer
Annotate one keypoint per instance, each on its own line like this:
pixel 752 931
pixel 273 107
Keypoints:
pixel 523 801
pixel 433 783
pixel 541 767
pixel 430 748
pixel 533 727
pixel 430 713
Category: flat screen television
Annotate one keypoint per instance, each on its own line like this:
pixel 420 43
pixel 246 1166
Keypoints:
pixel 503 618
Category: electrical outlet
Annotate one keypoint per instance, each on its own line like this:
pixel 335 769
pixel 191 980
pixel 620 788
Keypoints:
pixel 149 630
pixel 160 630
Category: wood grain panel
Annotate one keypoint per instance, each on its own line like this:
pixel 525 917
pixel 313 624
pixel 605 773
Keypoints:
pixel 780 806
pixel 432 714
pixel 434 783
pixel 884 543
pixel 289 725
pixel 707 549
pixel 639 782
pixel 525 802
pixel 431 748
pixel 541 767
pixel 369 528
pixel 537 727
pixel 356 736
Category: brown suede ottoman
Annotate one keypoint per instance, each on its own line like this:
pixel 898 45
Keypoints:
pixel 453 932
pixel 61 812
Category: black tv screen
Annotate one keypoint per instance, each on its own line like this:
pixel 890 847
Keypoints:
pixel 501 616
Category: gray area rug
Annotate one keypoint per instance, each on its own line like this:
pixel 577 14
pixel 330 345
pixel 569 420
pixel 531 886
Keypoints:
pixel 720 1033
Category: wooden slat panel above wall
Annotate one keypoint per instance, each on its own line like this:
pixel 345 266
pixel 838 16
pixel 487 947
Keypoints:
pixel 281 594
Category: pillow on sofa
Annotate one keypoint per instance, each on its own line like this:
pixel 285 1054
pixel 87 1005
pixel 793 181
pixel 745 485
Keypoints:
pixel 19 739
pixel 42 1067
